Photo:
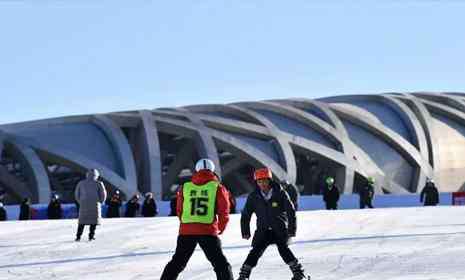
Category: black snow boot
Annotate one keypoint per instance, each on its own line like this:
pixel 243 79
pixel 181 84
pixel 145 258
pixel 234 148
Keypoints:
pixel 92 233
pixel 297 271
pixel 224 273
pixel 79 233
pixel 244 274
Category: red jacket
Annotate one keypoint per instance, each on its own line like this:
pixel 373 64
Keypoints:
pixel 222 208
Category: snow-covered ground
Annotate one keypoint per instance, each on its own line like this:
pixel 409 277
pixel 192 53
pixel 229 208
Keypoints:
pixel 375 244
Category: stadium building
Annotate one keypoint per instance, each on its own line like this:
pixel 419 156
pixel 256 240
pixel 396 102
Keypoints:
pixel 400 139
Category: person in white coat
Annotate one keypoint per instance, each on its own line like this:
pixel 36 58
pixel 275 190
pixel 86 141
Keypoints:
pixel 90 193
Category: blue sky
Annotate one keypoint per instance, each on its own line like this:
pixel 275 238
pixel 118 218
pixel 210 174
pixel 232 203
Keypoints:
pixel 76 57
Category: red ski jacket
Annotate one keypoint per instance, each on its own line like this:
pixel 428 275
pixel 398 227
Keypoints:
pixel 222 208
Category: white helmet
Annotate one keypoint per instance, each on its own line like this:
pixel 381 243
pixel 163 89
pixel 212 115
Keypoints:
pixel 205 164
pixel 93 173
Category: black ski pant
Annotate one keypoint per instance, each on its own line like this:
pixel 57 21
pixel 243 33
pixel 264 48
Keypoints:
pixel 81 230
pixel 259 247
pixel 366 203
pixel 331 205
pixel 211 246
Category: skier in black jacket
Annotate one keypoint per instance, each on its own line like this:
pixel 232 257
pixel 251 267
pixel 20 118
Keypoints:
pixel 429 194
pixel 331 194
pixel 276 223
pixel 54 210
pixel 173 202
pixel 367 192
pixel 132 207
pixel 114 206
pixel 25 210
pixel 149 208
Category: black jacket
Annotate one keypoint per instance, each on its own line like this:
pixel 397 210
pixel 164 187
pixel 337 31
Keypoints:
pixel 277 214
pixel 113 208
pixel 429 195
pixel 331 196
pixel 149 208
pixel 3 215
pixel 54 210
pixel 366 192
pixel 25 211
pixel 132 207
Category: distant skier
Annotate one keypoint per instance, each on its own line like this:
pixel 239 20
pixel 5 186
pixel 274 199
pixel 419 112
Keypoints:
pixel 430 194
pixel 173 201
pixel 54 210
pixel 293 192
pixel 25 210
pixel 149 207
pixel 114 205
pixel 90 193
pixel 276 224
pixel 132 207
pixel 331 194
pixel 367 192
pixel 203 210
pixel 232 203
pixel 3 214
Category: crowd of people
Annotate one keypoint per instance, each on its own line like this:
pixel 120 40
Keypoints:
pixel 331 194
pixel 134 207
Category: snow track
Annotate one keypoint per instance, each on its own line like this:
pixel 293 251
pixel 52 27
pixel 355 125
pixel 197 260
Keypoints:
pixel 374 244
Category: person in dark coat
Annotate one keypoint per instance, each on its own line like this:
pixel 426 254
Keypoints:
pixel 331 194
pixel 276 223
pixel 90 193
pixel 149 208
pixel 232 203
pixel 173 200
pixel 173 205
pixel 429 195
pixel 293 193
pixel 3 214
pixel 132 207
pixel 54 210
pixel 114 206
pixel 25 210
pixel 366 193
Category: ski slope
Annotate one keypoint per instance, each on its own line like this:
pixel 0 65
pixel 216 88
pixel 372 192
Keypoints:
pixel 375 244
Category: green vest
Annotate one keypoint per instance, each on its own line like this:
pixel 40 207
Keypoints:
pixel 199 203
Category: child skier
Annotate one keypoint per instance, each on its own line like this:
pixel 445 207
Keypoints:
pixel 276 224
pixel 203 208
